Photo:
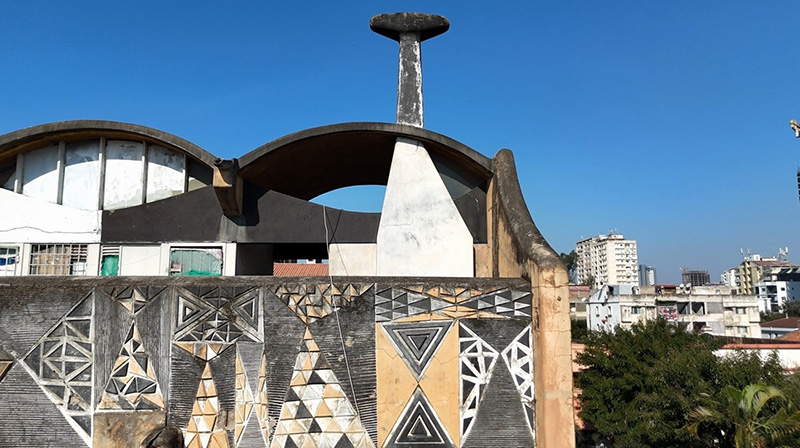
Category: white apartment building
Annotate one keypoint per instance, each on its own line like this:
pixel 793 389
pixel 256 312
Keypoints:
pixel 712 310
pixel 730 277
pixel 772 295
pixel 608 259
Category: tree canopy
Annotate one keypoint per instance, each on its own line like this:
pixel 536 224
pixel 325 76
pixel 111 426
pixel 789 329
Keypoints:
pixel 640 385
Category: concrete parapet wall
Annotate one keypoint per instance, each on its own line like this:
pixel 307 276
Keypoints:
pixel 266 361
pixel 519 250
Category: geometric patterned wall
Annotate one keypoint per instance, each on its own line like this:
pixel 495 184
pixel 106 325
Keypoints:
pixel 272 362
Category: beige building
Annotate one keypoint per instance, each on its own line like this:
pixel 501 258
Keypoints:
pixel 753 270
pixel 709 309
pixel 608 260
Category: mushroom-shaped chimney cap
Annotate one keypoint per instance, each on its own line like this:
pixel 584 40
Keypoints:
pixel 393 24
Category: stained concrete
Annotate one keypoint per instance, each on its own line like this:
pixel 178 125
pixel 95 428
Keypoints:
pixel 421 231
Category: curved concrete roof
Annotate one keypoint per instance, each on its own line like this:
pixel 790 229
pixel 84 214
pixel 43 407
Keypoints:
pixel 314 161
pixel 37 136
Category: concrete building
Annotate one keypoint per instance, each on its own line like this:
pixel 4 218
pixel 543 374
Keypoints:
pixel 608 259
pixel 578 298
pixel 730 277
pixel 777 286
pixel 647 275
pixel 713 310
pixel 694 277
pixel 139 288
pixel 753 268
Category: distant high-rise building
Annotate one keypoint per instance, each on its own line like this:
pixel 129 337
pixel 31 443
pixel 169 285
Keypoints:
pixel 695 277
pixel 607 260
pixel 647 275
pixel 731 278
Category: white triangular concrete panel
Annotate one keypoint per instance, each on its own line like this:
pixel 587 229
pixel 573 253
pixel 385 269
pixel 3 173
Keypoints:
pixel 421 232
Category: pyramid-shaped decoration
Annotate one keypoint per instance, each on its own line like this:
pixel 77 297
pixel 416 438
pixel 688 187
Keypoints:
pixel 311 302
pixel 61 362
pixel 261 401
pixel 418 426
pixel 518 357
pixel 202 430
pixel 316 412
pixel 477 361
pixel 133 384
pixel 244 400
pixel 417 341
pixel 6 361
pixel 5 366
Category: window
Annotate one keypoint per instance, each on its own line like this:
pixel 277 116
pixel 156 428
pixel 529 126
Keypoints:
pixel 58 259
pixel 741 331
pixel 8 261
pixel 637 310
pixel 741 310
pixel 195 261
pixel 109 261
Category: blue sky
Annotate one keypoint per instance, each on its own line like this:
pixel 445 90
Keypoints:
pixel 667 121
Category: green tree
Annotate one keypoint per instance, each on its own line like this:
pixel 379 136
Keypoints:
pixel 589 281
pixel 578 329
pixel 640 384
pixel 743 418
pixel 570 261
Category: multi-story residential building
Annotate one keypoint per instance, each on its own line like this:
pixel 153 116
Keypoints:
pixel 753 269
pixel 777 286
pixel 710 309
pixel 647 275
pixel 608 260
pixel 695 277
pixel 730 277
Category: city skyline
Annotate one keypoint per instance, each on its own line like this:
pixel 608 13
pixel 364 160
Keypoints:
pixel 668 123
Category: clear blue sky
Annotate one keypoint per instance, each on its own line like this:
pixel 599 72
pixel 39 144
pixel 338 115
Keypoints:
pixel 667 121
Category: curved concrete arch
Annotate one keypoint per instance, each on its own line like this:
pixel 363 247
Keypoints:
pixel 314 161
pixel 37 136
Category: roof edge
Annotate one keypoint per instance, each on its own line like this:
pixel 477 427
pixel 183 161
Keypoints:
pixel 399 130
pixel 30 135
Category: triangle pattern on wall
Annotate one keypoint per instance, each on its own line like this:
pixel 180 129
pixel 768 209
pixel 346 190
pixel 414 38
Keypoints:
pixel 202 430
pixel 62 365
pixel 477 361
pixel 518 357
pixel 133 384
pixel 316 412
pixel 244 401
pixel 417 341
pixel 418 426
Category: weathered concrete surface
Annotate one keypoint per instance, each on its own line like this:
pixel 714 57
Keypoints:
pixel 352 259
pixel 421 231
pixel 409 29
pixel 266 319
pixel 36 220
pixel 341 155
pixel 37 136
pixel 228 186
pixel 519 250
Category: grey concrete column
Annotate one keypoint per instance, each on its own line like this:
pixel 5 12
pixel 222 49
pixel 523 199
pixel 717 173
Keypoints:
pixel 409 81
pixel 409 29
